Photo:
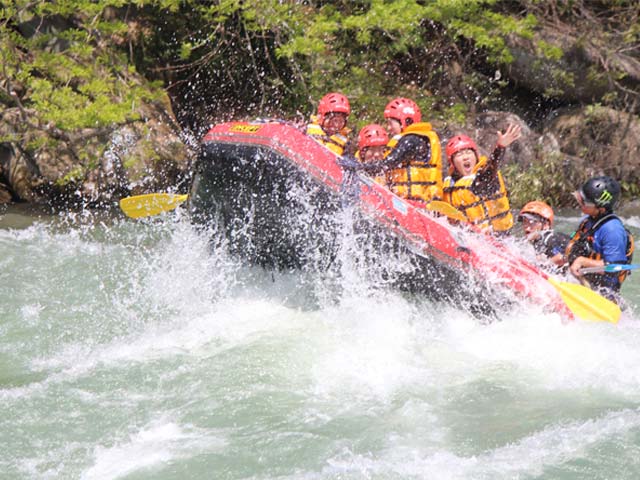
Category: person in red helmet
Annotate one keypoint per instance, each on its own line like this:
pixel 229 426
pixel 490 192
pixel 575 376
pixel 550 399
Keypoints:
pixel 537 223
pixel 372 146
pixel 475 185
pixel 372 143
pixel 400 113
pixel 329 126
pixel 413 168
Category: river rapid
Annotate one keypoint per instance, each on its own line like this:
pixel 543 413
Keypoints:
pixel 141 350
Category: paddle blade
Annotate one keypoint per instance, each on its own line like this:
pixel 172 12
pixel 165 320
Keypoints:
pixel 586 304
pixel 446 209
pixel 150 204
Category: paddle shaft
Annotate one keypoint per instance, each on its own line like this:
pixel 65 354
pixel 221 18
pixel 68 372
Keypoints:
pixel 611 268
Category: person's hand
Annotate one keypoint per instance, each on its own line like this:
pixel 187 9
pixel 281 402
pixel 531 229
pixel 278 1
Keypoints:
pixel 511 134
pixel 349 162
pixel 576 267
pixel 533 236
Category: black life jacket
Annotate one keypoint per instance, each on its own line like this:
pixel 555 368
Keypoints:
pixel 581 245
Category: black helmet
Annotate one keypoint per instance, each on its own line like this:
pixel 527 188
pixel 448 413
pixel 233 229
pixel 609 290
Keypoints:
pixel 601 191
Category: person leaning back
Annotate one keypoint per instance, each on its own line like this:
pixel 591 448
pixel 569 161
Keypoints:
pixel 537 222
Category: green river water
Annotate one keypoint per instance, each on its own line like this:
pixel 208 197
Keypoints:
pixel 138 350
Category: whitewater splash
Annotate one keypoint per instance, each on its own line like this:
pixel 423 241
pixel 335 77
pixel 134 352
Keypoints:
pixel 143 349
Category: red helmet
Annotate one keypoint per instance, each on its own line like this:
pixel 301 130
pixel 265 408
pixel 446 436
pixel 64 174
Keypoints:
pixel 372 135
pixel 404 110
pixel 541 209
pixel 333 102
pixel 458 143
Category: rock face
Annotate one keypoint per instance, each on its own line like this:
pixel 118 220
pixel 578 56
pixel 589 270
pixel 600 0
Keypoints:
pixel 608 141
pixel 588 69
pixel 595 140
pixel 75 167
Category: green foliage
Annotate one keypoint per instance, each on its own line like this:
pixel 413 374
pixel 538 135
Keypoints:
pixel 90 106
pixel 549 180
pixel 73 176
pixel 560 79
pixel 548 51
pixel 81 65
pixel 475 20
pixel 70 80
pixel 39 141
pixel 261 57
pixel 630 189
pixel 455 114
pixel 186 50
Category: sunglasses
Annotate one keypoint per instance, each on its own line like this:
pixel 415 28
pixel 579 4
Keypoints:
pixel 531 219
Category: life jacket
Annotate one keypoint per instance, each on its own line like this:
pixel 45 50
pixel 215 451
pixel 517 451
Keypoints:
pixel 491 212
pixel 581 245
pixel 418 178
pixel 393 141
pixel 335 142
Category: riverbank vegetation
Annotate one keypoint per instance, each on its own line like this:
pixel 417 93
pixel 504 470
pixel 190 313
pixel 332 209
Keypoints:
pixel 135 82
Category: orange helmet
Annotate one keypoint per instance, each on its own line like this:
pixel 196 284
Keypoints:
pixel 458 143
pixel 372 135
pixel 541 209
pixel 404 110
pixel 333 102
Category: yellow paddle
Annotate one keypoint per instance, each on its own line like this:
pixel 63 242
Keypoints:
pixel 446 209
pixel 150 204
pixel 585 303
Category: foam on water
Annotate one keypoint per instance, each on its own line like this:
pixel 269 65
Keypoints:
pixel 633 221
pixel 161 351
pixel 531 457
pixel 153 446
pixel 563 356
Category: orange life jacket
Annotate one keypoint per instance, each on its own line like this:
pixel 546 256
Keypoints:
pixel 491 212
pixel 418 178
pixel 335 142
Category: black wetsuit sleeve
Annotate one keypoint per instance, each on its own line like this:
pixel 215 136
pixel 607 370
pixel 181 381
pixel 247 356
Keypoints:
pixel 409 147
pixel 551 243
pixel 487 182
pixel 350 147
pixel 557 243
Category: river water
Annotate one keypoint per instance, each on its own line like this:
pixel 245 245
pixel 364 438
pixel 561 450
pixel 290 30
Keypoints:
pixel 139 350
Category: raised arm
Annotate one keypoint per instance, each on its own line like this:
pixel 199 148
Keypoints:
pixel 511 134
pixel 487 179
